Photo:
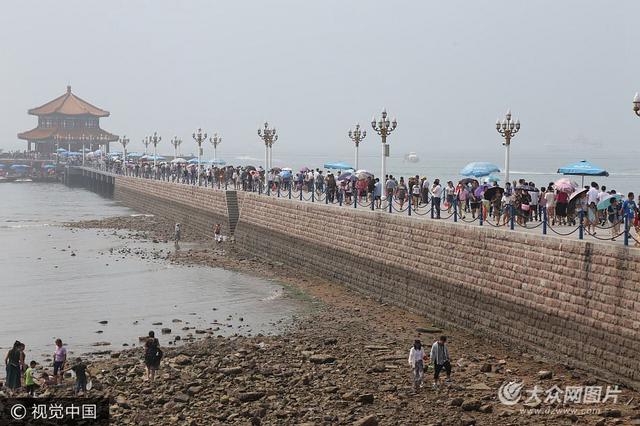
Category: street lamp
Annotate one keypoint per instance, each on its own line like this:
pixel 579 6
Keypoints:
pixel 124 140
pixel 176 143
pixel 199 137
pixel 357 136
pixel 636 104
pixel 384 127
pixel 215 141
pixel 155 140
pixel 507 129
pixel 146 143
pixel 269 136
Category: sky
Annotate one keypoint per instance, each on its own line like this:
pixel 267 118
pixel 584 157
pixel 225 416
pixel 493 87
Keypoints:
pixel 567 69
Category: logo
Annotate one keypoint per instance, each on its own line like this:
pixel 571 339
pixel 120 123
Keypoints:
pixel 509 393
pixel 18 411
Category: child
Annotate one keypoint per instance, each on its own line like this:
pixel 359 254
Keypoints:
pixel 592 220
pixel 81 376
pixel 29 382
pixel 217 233
pixel 46 380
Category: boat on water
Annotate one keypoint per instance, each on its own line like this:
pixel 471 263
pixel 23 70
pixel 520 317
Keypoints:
pixel 25 179
pixel 7 179
pixel 411 157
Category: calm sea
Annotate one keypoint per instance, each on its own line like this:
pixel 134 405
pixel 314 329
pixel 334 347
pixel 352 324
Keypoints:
pixel 48 293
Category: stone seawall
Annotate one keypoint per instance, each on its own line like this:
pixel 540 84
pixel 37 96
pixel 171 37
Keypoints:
pixel 573 302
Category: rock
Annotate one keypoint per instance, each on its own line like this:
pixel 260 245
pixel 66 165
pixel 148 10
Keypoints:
pixel 228 371
pixel 322 359
pixel 467 421
pixel 182 360
pixel 429 330
pixel 331 341
pixel 166 330
pixel 194 390
pixel 101 344
pixel 250 396
pixel 600 422
pixel 156 323
pixel 181 397
pixel 545 374
pixel 103 322
pixel 478 386
pixel 115 355
pixel 486 408
pixel 366 398
pixel 471 405
pixel 611 413
pixel 371 420
pixel 486 368
pixel 456 402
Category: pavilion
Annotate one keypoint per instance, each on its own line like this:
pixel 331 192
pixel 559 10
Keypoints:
pixel 67 122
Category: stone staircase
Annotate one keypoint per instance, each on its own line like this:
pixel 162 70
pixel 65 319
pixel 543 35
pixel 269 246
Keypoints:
pixel 233 211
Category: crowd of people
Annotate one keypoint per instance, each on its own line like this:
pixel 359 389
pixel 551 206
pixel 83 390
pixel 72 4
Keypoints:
pixel 560 203
pixel 30 378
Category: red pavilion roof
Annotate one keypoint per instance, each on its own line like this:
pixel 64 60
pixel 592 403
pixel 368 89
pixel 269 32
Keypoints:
pixel 69 104
pixel 68 134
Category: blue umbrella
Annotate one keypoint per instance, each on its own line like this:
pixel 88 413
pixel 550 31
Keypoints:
pixel 285 174
pixel 338 166
pixel 61 150
pixel 2 166
pixel 135 155
pixel 49 166
pixel 583 168
pixel 217 162
pixel 344 176
pixel 19 167
pixel 492 178
pixel 606 202
pixel 479 168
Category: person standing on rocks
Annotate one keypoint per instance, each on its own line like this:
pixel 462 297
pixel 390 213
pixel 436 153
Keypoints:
pixel 152 355
pixel 416 361
pixel 440 358
pixel 59 360
pixel 217 233
pixel 176 233
pixel 12 361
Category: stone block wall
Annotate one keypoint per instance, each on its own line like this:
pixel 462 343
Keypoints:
pixel 570 301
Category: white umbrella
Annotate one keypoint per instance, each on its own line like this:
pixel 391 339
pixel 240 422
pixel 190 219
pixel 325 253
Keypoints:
pixel 178 160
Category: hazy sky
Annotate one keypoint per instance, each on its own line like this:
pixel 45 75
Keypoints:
pixel 567 69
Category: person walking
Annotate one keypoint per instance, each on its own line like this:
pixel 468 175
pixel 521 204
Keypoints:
pixel 416 361
pixel 152 356
pixel 440 359
pixel 436 197
pixel 59 360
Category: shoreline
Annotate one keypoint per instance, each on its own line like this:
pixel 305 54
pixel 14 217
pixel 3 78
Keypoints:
pixel 340 362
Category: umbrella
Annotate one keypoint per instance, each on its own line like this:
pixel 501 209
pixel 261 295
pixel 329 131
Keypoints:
pixel 606 202
pixel 49 166
pixel 344 176
pixel 135 155
pixel 19 167
pixel 193 161
pixel 250 168
pixel 583 168
pixel 178 160
pixel 276 170
pixel 217 162
pixel 285 174
pixel 61 150
pixel 478 169
pixel 480 190
pixel 527 188
pixel 363 174
pixel 577 194
pixel 254 173
pixel 490 193
pixel 304 169
pixel 467 181
pixel 287 169
pixel 337 166
pixel 564 185
pixel 491 178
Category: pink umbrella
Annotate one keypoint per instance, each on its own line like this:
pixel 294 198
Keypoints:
pixel 564 185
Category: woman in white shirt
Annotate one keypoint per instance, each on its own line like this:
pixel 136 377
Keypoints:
pixel 416 361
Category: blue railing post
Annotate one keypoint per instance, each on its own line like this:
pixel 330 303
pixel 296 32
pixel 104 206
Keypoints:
pixel 355 200
pixel 326 199
pixel 432 216
pixel 544 221
pixel 289 191
pixel 313 195
pixel 340 195
pixel 373 201
pixel 278 191
pixel 300 193
pixel 626 229
pixel 410 201
pixel 581 226
pixel 225 185
pixel 512 211
pixel 481 217
pixel 390 201
pixel 455 210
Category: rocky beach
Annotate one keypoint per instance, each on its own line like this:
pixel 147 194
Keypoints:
pixel 342 361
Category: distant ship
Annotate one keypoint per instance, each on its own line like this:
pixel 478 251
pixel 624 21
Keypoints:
pixel 411 157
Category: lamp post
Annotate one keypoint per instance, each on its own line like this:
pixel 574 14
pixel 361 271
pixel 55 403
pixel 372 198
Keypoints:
pixel 636 104
pixel 124 140
pixel 155 140
pixel 357 136
pixel 84 138
pixel 175 142
pixel 384 127
pixel 199 137
pixel 507 129
pixel 269 136
pixel 146 143
pixel 215 141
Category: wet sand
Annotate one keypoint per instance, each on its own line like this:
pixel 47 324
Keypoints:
pixel 344 361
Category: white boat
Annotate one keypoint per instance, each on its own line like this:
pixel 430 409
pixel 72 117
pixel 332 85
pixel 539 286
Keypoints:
pixel 23 180
pixel 412 157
